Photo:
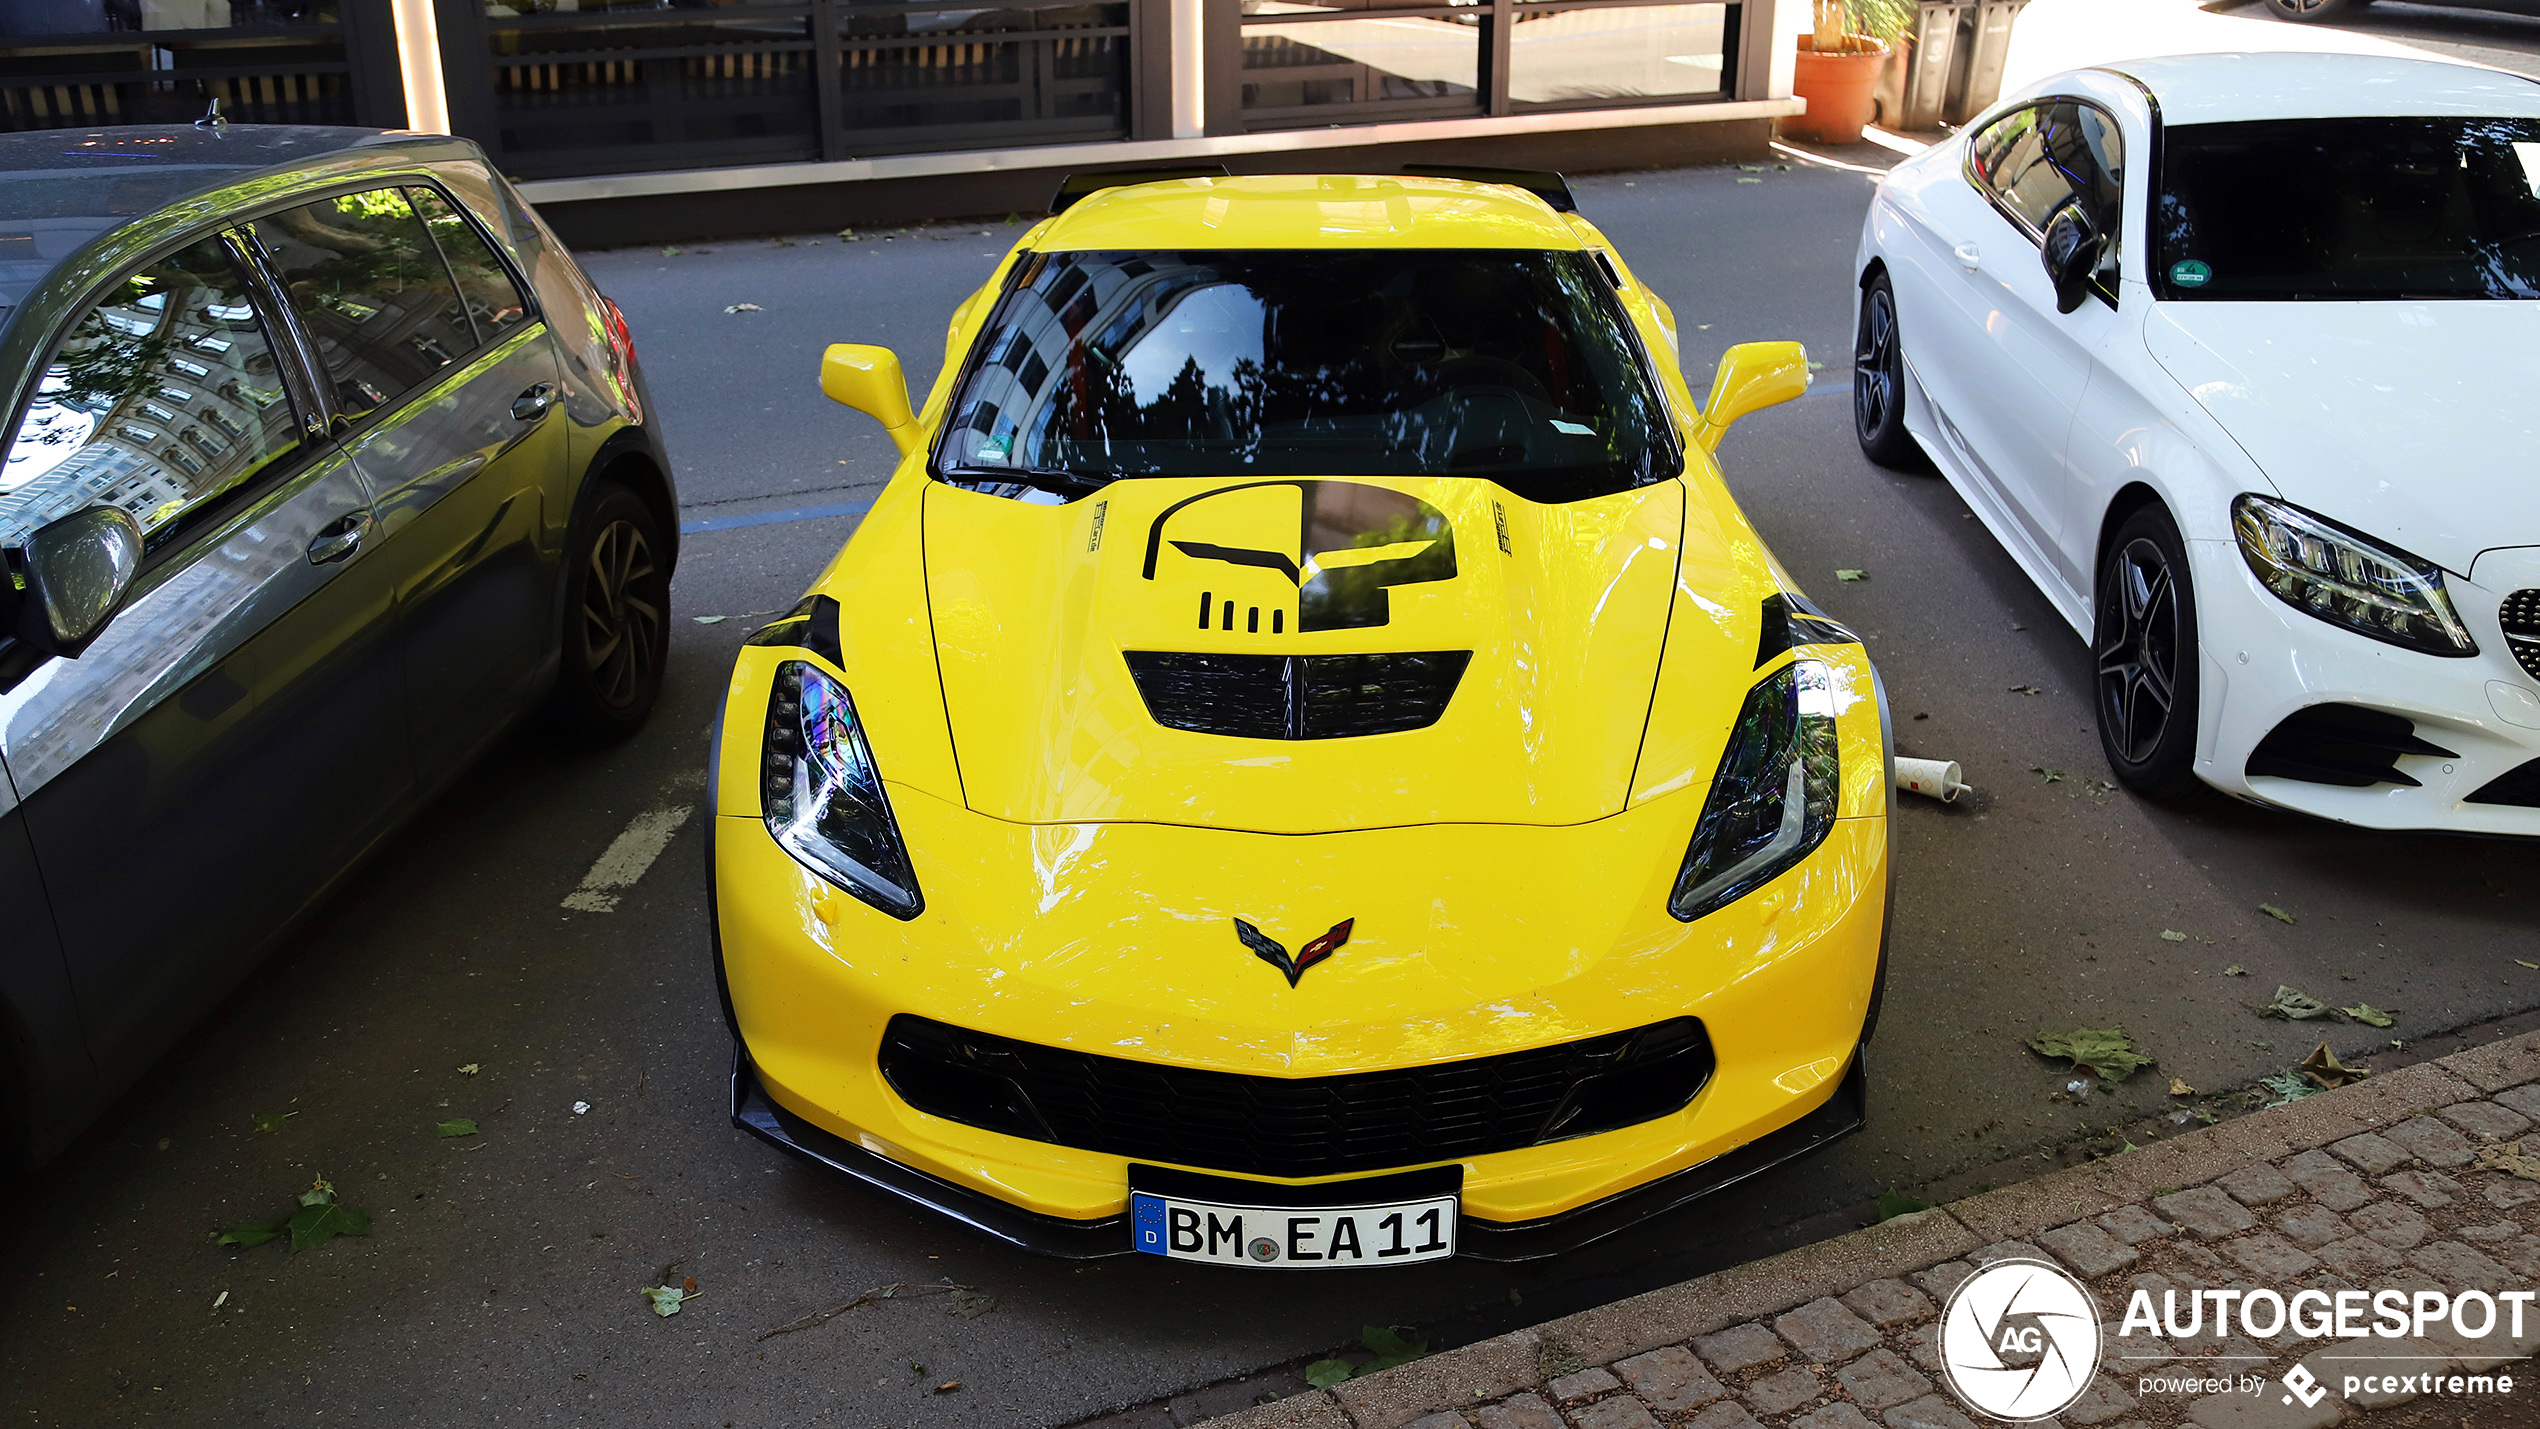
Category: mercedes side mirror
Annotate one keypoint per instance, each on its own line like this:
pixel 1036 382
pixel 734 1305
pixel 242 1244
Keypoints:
pixel 1752 376
pixel 2071 255
pixel 868 379
pixel 72 576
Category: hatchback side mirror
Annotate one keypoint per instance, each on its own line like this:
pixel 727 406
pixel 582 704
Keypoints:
pixel 2071 255
pixel 73 576
pixel 868 379
pixel 1752 376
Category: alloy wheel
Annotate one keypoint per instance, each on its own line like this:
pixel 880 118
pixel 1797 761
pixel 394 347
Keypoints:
pixel 621 623
pixel 1874 363
pixel 2138 649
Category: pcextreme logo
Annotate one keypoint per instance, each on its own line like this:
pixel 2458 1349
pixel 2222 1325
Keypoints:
pixel 2020 1340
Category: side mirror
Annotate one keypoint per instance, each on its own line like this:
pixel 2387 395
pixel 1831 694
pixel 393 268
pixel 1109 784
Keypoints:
pixel 1752 376
pixel 2071 255
pixel 76 572
pixel 868 379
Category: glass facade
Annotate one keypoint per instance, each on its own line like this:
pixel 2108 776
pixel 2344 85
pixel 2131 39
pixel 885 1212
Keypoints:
pixel 66 63
pixel 1561 55
pixel 1337 60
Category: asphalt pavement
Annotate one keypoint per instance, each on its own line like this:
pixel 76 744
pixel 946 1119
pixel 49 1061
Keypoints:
pixel 499 1281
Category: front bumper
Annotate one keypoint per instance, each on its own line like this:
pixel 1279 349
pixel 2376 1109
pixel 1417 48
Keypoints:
pixel 754 1112
pixel 2263 661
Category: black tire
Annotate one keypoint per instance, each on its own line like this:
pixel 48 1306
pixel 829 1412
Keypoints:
pixel 616 617
pixel 1878 382
pixel 2312 12
pixel 2145 689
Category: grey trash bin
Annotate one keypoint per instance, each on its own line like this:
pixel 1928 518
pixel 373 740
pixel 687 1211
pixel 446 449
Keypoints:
pixel 1950 66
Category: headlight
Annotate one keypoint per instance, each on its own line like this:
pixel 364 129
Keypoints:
pixel 823 795
pixel 1775 796
pixel 2320 568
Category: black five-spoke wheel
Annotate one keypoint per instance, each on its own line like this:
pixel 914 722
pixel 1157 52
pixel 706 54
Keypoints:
pixel 2145 645
pixel 1878 381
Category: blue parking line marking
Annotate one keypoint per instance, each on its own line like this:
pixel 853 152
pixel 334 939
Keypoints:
pixel 775 518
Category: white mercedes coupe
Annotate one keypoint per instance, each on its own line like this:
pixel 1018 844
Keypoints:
pixel 2238 355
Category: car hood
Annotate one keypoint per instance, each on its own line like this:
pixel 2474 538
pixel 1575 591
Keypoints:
pixel 2412 422
pixel 1095 654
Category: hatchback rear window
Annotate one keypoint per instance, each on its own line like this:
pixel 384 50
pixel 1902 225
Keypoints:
pixel 1513 365
pixel 2347 209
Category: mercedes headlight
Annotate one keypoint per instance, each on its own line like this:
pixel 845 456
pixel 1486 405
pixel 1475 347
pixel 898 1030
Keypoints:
pixel 823 796
pixel 1775 796
pixel 2320 568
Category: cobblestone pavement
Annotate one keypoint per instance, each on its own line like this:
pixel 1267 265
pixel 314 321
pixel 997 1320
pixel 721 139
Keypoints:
pixel 2387 1185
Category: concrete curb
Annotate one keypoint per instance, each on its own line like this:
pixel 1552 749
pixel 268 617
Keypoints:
pixel 1527 1360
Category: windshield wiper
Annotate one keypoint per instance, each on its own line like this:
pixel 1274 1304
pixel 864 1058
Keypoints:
pixel 1062 481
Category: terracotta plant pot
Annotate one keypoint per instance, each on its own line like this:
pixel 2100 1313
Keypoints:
pixel 1841 89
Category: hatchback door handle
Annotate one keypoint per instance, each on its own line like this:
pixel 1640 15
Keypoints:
pixel 1967 259
pixel 339 539
pixel 532 404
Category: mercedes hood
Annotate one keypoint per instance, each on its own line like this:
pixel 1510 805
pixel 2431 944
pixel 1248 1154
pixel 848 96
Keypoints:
pixel 2413 422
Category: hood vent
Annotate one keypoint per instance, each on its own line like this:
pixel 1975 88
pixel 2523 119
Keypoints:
pixel 1297 696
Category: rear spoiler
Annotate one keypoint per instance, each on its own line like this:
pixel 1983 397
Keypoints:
pixel 1542 183
pixel 1076 186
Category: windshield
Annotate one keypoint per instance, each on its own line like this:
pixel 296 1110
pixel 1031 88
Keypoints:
pixel 1508 364
pixel 2349 209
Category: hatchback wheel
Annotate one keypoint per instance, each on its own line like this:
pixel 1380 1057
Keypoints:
pixel 616 617
pixel 1878 382
pixel 2307 12
pixel 2146 657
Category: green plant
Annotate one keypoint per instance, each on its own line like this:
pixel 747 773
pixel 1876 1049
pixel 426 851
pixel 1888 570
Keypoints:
pixel 1858 26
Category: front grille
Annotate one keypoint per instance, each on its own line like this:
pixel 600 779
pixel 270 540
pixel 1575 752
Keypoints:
pixel 2518 786
pixel 1296 1126
pixel 2520 615
pixel 2345 745
pixel 1297 696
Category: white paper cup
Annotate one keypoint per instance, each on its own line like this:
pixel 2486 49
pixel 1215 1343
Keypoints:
pixel 1935 778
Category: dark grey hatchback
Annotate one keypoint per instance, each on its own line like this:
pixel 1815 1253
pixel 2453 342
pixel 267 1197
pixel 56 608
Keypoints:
pixel 329 466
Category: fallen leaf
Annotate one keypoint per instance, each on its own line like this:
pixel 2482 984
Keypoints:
pixel 848 234
pixel 2531 965
pixel 712 619
pixel 970 1304
pixel 2021 689
pixel 271 1120
pixel 665 1298
pixel 2108 1051
pixel 456 1126
pixel 2367 1014
pixel 2276 913
pixel 1851 575
pixel 1815 366
pixel 252 1233
pixel 1896 1203
pixel 950 1386
pixel 744 308
pixel 2287 1087
pixel 2510 1159
pixel 1389 1347
pixel 470 1069
pixel 2052 776
pixel 670 252
pixel 1752 168
pixel 1750 181
pixel 2295 1006
pixel 2172 935
pixel 318 1224
pixel 2179 1088
pixel 1323 1374
pixel 2323 1068
pixel 2235 970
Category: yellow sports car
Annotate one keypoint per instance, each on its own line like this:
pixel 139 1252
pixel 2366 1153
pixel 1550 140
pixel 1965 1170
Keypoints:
pixel 1305 764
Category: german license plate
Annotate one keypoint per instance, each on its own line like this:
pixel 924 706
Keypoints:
pixel 1294 1237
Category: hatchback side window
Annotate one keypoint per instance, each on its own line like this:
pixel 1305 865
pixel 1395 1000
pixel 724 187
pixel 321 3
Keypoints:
pixel 162 399
pixel 370 287
pixel 494 302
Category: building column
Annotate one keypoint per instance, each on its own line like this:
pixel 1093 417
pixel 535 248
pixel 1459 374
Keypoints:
pixel 1190 79
pixel 419 58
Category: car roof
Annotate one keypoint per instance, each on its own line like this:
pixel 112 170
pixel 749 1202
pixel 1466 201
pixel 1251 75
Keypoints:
pixel 2221 88
pixel 60 188
pixel 1307 211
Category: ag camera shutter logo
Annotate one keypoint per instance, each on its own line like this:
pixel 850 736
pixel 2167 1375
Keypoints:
pixel 2020 1340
